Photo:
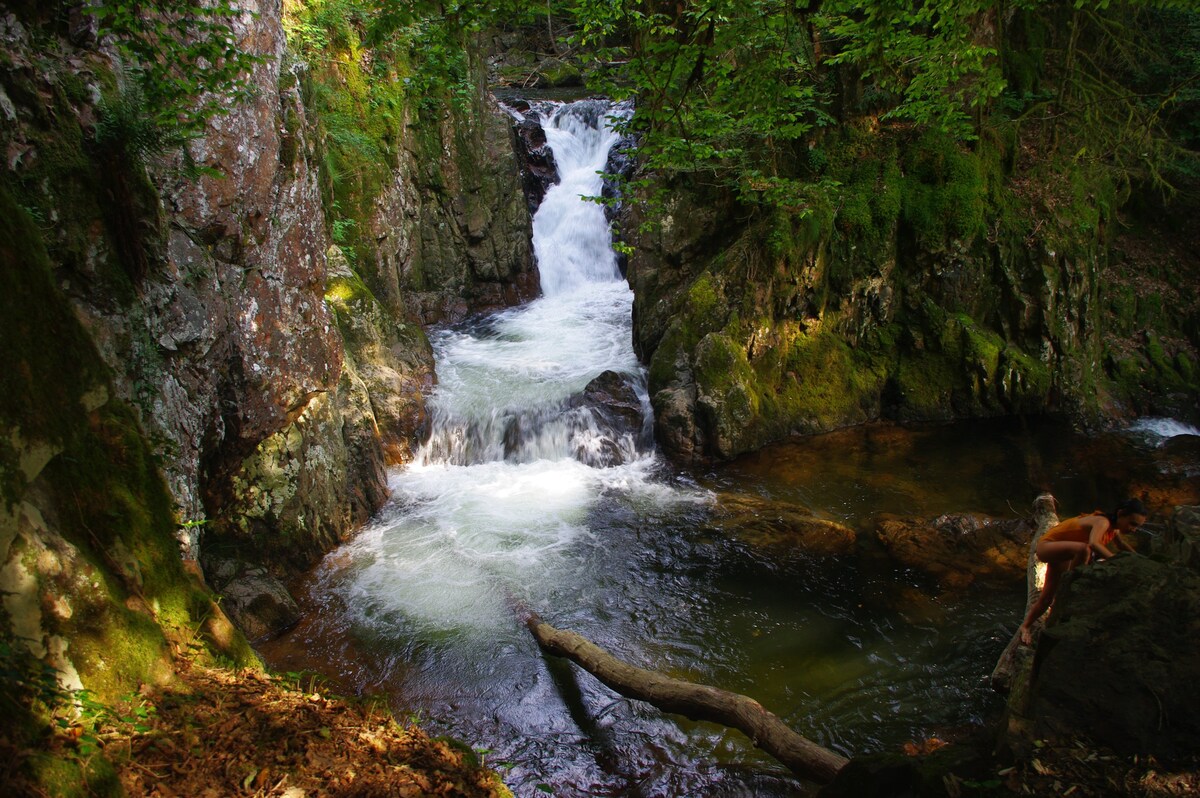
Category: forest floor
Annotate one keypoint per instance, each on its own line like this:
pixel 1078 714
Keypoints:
pixel 215 733
pixel 1083 770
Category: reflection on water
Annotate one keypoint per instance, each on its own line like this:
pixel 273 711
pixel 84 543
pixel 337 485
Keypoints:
pixel 991 466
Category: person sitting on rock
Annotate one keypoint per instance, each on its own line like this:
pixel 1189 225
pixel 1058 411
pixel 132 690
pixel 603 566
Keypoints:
pixel 1077 541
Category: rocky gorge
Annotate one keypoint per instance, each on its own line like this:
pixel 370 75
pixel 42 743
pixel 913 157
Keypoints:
pixel 213 356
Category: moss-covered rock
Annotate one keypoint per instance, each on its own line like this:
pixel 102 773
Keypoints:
pixel 391 360
pixel 937 287
pixel 90 573
pixel 419 179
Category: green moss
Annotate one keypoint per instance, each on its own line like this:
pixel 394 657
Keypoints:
pixel 43 408
pixel 702 297
pixel 561 73
pixel 1025 382
pixel 1023 58
pixel 945 193
pixel 93 777
pixel 855 213
pixel 361 113
pixel 348 294
pixel 1149 310
pixel 75 181
pixel 702 310
pixel 1123 306
pixel 1127 373
pixel 1186 368
pixel 1094 198
pixel 289 140
pixel 126 649
pixel 887 202
pixel 722 369
pixel 1164 378
pixel 792 234
pixel 949 365
pixel 670 351
pixel 979 351
pixel 870 195
pixel 826 384
pixel 922 386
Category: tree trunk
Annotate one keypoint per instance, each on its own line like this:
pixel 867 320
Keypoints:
pixel 696 701
pixel 1011 674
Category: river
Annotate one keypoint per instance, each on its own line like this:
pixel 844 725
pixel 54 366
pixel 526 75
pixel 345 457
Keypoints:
pixel 508 500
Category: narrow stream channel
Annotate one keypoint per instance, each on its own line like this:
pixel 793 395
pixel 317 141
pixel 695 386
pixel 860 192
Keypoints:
pixel 503 502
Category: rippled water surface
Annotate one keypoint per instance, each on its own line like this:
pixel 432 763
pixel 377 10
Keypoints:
pixel 502 507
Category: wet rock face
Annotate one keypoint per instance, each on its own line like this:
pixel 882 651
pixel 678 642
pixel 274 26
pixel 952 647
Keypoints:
pixel 958 550
pixel 755 329
pixel 229 335
pixel 1118 660
pixel 536 159
pixel 614 398
pixel 610 422
pixel 224 342
pixel 388 361
pixel 453 232
pixel 261 221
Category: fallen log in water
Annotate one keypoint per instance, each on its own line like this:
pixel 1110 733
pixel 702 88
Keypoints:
pixel 1012 669
pixel 696 701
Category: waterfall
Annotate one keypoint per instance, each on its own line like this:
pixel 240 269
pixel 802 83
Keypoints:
pixel 528 487
pixel 509 386
pixel 516 458
pixel 573 244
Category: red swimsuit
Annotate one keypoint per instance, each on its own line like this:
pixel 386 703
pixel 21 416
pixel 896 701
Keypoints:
pixel 1072 529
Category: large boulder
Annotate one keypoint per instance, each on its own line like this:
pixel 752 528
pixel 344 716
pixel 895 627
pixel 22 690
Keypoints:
pixel 1181 539
pixel 614 397
pixel 958 550
pixel 1118 661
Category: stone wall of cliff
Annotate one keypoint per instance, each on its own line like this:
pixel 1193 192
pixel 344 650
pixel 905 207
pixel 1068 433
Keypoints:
pixel 936 281
pixel 255 366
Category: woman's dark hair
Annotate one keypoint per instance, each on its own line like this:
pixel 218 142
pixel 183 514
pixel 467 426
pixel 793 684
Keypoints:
pixel 1131 507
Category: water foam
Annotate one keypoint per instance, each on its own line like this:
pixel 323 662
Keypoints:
pixel 1160 430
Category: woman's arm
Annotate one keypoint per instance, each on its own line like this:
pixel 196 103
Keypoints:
pixel 1122 545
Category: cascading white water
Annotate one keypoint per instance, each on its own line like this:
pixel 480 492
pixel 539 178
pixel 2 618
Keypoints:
pixel 1160 430
pixel 503 387
pixel 503 488
pixel 573 244
pixel 506 500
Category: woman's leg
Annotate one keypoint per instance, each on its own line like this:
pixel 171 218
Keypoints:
pixel 1059 556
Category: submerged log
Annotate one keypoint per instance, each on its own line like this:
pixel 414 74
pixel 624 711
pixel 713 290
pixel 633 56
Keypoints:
pixel 1012 669
pixel 696 701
